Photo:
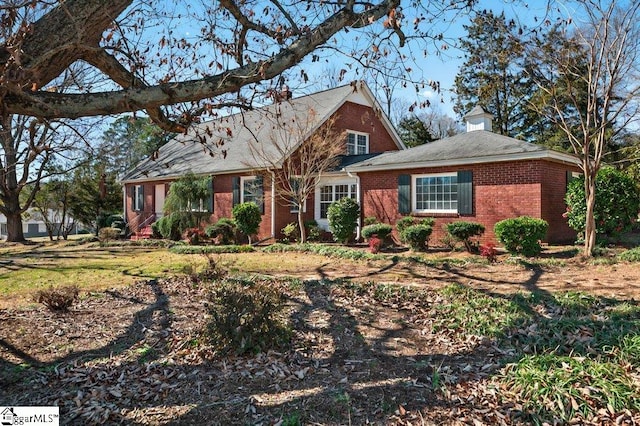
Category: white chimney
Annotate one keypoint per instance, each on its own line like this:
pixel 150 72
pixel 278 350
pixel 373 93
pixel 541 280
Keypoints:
pixel 478 119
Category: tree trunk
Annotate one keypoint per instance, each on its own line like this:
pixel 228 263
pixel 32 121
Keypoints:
pixel 14 226
pixel 590 220
pixel 303 231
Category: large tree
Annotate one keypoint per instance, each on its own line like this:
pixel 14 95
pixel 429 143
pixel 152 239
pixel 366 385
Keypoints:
pixel 595 95
pixel 491 75
pixel 177 61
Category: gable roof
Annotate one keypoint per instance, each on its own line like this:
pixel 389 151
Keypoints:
pixel 479 146
pixel 240 142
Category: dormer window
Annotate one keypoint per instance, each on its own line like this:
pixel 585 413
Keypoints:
pixel 357 143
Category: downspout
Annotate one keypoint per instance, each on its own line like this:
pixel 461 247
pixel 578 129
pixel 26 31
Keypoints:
pixel 358 199
pixel 273 204
pixel 124 204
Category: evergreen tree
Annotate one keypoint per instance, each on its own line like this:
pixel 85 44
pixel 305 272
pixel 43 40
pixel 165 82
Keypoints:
pixel 491 75
pixel 413 131
pixel 130 140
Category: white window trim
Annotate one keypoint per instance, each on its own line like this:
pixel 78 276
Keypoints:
pixel 324 223
pixel 356 133
pixel 244 179
pixel 414 200
pixel 137 189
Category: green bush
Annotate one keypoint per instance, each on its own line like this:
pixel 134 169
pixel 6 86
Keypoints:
pixel 169 226
pixel 370 220
pixel 313 230
pixel 407 221
pixel 382 230
pixel 343 219
pixel 184 249
pixel 632 255
pixel 521 235
pixel 291 232
pixel 463 231
pixel 247 217
pixel 224 230
pixel 417 236
pixel 617 204
pixel 246 317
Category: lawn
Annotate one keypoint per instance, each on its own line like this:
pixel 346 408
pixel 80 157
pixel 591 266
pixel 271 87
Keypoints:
pixel 434 338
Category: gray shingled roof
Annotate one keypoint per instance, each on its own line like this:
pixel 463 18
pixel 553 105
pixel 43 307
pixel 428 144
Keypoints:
pixel 240 142
pixel 475 146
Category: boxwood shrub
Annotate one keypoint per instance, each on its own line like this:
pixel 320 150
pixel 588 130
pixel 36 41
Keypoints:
pixel 463 231
pixel 417 236
pixel 521 235
pixel 382 230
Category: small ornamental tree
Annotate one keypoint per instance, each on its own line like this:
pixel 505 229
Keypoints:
pixel 247 217
pixel 617 204
pixel 343 219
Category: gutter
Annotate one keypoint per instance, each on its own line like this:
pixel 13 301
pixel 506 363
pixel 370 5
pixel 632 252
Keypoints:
pixel 558 157
pixel 273 203
pixel 358 199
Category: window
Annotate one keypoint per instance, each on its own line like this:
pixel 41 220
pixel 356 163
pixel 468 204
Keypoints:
pixel 357 143
pixel 295 188
pixel 251 189
pixel 138 198
pixel 331 193
pixel 437 193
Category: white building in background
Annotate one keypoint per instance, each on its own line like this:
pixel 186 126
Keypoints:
pixel 33 224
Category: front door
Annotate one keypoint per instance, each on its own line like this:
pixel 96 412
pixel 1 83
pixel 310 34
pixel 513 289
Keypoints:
pixel 159 197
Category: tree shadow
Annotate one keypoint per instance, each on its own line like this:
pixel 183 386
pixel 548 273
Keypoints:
pixel 356 367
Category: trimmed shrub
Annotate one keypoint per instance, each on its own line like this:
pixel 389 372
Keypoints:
pixel 407 221
pixel 224 231
pixel 617 204
pixel 463 231
pixel 184 249
pixel 417 236
pixel 382 230
pixel 247 217
pixel 58 299
pixel 246 317
pixel 343 219
pixel 521 235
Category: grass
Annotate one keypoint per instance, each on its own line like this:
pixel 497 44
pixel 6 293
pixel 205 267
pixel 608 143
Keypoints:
pixel 573 353
pixel 26 269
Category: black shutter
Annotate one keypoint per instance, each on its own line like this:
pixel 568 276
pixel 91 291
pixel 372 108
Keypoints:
pixel 236 189
pixel 211 194
pixel 259 188
pixel 465 192
pixel 404 194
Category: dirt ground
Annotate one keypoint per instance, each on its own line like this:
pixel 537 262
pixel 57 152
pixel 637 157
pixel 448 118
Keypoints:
pixel 136 355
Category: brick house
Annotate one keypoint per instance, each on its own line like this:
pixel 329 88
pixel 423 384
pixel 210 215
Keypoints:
pixel 232 151
pixel 475 176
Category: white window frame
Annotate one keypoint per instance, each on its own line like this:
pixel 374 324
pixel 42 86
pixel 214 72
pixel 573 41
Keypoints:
pixel 355 146
pixel 244 179
pixel 333 182
pixel 414 193
pixel 138 201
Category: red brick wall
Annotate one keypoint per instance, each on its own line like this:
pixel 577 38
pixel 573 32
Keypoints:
pixel 361 118
pixel 149 200
pixel 504 190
